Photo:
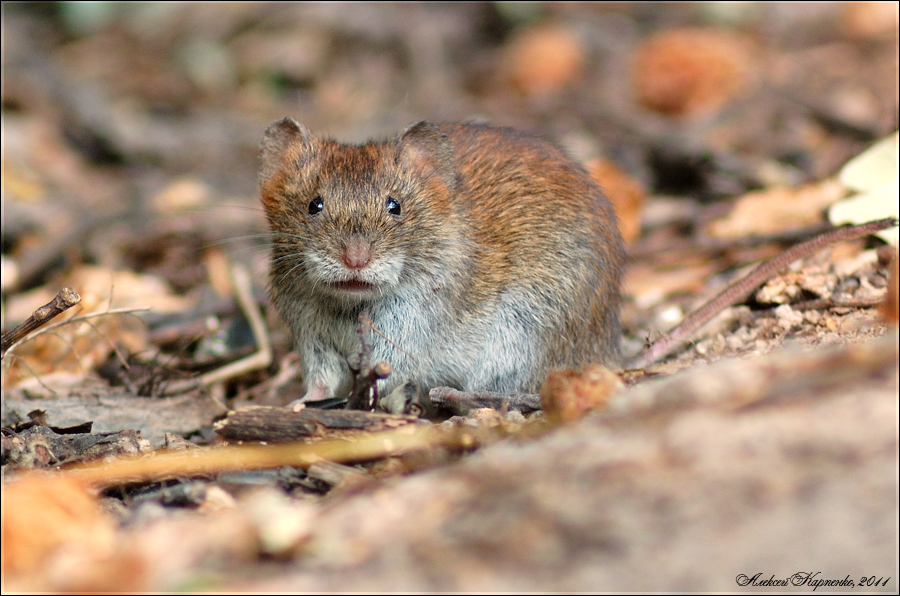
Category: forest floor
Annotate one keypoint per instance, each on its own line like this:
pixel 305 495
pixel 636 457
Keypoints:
pixel 764 447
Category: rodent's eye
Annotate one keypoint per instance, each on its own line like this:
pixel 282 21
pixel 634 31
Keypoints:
pixel 393 206
pixel 316 205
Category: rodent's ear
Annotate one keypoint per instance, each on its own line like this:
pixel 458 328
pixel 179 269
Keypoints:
pixel 424 146
pixel 280 135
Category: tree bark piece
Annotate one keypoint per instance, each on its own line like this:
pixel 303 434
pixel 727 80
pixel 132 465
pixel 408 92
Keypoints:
pixel 41 447
pixel 262 423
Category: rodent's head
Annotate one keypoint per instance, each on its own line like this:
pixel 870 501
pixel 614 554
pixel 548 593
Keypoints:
pixel 359 222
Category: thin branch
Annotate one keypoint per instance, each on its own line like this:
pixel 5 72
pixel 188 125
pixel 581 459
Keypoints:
pixel 64 300
pixel 79 319
pixel 63 339
pixel 364 395
pixel 369 446
pixel 742 288
pixel 461 403
pixel 34 374
pixel 243 287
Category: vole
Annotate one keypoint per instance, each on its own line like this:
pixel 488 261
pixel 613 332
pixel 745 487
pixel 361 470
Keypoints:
pixel 484 256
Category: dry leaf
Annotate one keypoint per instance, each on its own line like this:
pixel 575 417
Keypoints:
pixel 691 70
pixel 874 167
pixel 777 210
pixel 625 193
pixel 876 175
pixel 127 289
pixel 80 346
pixel 9 274
pixel 20 183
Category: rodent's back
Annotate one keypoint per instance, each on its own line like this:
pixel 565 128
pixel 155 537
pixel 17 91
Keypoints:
pixel 542 227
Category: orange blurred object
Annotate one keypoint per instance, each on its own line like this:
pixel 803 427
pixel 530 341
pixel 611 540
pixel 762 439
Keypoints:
pixel 625 193
pixel 51 527
pixel 871 20
pixel 543 59
pixel 569 394
pixel 691 70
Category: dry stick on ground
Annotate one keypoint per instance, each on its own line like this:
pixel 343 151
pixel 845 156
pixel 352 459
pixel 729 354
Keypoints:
pixel 365 386
pixel 80 319
pixel 201 461
pixel 462 403
pixel 41 446
pixel 72 321
pixel 243 287
pixel 365 376
pixel 740 289
pixel 64 300
pixel 277 425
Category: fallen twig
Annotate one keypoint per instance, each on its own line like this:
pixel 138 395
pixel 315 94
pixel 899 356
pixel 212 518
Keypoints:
pixel 199 461
pixel 262 358
pixel 462 403
pixel 740 289
pixel 269 424
pixel 80 319
pixel 64 300
pixel 41 446
pixel 364 395
pixel 332 473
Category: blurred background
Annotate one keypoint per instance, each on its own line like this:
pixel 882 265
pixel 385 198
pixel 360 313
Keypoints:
pixel 130 130
pixel 719 130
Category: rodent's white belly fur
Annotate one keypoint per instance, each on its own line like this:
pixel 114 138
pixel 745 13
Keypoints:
pixel 494 351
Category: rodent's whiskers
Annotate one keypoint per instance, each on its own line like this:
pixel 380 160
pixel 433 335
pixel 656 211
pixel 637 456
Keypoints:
pixel 225 241
pixel 286 257
pixel 284 276
pixel 213 208
pixel 256 249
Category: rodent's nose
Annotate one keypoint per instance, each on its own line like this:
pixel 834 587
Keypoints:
pixel 356 253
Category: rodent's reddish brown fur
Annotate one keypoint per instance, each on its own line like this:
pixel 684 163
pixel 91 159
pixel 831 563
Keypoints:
pixel 502 261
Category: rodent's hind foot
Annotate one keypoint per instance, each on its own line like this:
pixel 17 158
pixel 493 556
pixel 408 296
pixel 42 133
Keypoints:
pixel 315 392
